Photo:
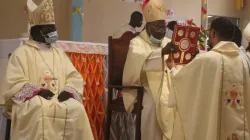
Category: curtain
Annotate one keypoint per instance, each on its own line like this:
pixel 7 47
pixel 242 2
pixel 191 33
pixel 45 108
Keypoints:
pixel 91 68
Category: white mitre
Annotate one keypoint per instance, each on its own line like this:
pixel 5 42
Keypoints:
pixel 42 14
pixel 246 36
pixel 154 10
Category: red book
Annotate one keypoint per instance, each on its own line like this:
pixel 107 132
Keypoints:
pixel 186 38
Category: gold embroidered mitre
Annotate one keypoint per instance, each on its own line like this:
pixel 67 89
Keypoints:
pixel 42 14
pixel 154 10
pixel 246 32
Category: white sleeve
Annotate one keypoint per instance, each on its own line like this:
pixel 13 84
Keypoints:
pixel 74 83
pixel 154 61
pixel 175 70
pixel 172 100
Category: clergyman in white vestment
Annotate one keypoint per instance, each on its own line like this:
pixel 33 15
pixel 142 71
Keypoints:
pixel 212 93
pixel 144 67
pixel 42 90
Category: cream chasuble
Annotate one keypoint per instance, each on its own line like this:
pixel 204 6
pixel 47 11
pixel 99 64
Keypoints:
pixel 213 96
pixel 141 69
pixel 33 67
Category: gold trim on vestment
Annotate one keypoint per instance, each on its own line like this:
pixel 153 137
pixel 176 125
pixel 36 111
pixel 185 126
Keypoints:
pixel 66 117
pixel 42 116
pixel 221 97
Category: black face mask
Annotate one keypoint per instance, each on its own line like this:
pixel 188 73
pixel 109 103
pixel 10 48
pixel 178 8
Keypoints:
pixel 37 32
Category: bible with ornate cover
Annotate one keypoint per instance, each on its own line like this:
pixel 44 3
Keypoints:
pixel 185 38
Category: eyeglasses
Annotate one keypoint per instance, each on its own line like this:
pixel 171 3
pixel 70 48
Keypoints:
pixel 49 28
pixel 159 28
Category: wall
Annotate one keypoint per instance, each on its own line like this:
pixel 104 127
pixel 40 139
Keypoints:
pixel 222 8
pixel 245 16
pixel 14 21
pixel 186 9
pixel 103 17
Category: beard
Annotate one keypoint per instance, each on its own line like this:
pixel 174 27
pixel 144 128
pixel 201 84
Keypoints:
pixel 210 45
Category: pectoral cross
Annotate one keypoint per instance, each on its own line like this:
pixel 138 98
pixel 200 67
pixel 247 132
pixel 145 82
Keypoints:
pixel 54 78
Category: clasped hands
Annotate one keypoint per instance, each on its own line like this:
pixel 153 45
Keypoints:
pixel 47 94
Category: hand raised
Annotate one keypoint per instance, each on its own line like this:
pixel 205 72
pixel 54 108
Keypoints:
pixel 170 48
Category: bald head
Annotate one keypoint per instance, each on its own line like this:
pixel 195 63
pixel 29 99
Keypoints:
pixel 136 19
pixel 171 25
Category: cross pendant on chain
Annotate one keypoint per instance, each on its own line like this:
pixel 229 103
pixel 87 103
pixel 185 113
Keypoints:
pixel 54 78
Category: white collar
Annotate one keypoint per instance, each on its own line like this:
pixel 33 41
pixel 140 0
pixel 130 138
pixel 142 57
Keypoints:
pixel 131 28
pixel 44 46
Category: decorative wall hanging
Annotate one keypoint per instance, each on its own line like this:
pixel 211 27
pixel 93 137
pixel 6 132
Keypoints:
pixel 77 20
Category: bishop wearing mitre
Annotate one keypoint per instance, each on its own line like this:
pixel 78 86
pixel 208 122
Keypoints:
pixel 144 67
pixel 42 90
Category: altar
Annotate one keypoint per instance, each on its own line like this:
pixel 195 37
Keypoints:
pixel 90 59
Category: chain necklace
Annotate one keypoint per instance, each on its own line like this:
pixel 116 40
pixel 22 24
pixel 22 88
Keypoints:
pixel 52 72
